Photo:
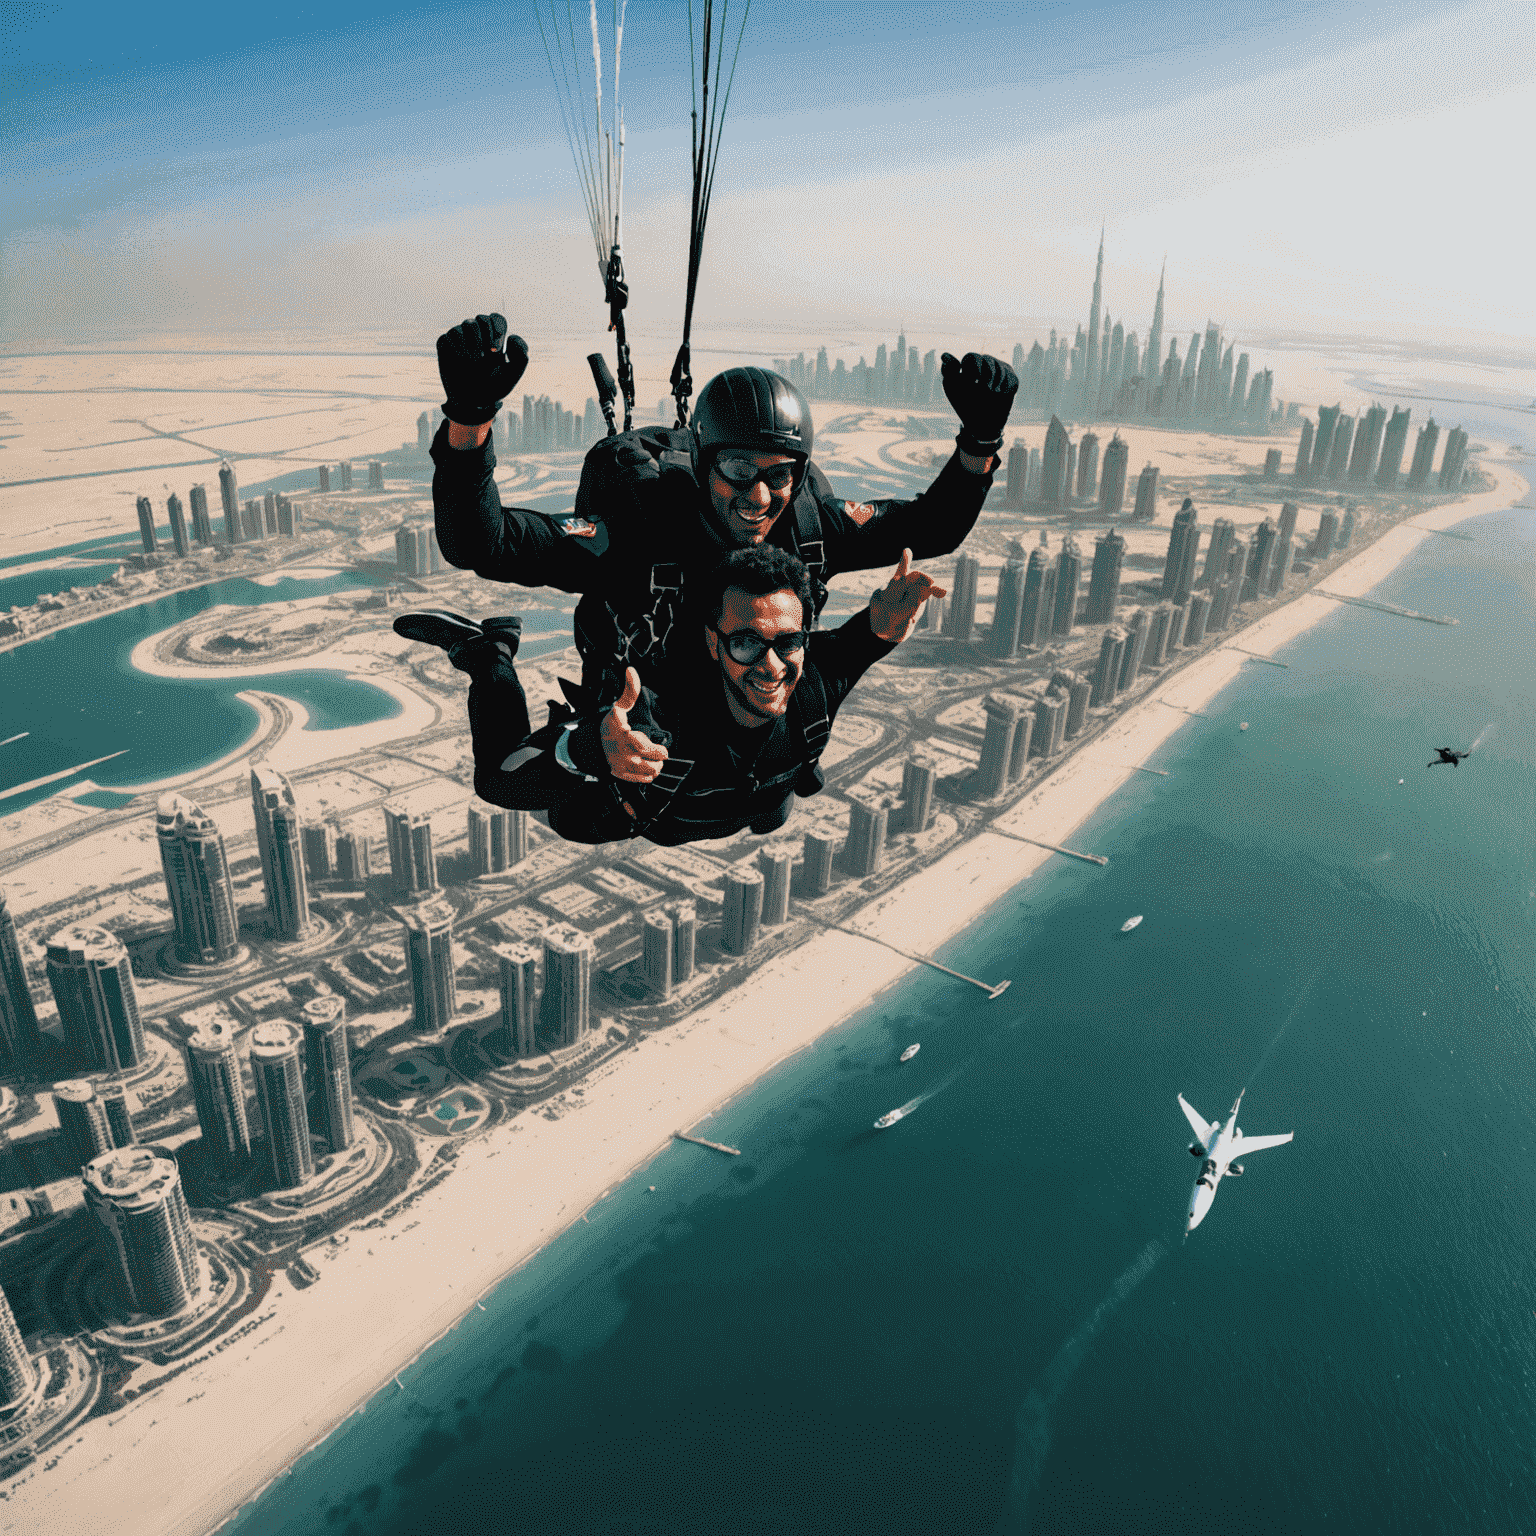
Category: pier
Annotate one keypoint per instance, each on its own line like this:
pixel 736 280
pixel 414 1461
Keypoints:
pixel 1141 768
pixel 857 933
pixel 1269 661
pixel 714 1146
pixel 1445 533
pixel 1199 714
pixel 1371 602
pixel 1071 853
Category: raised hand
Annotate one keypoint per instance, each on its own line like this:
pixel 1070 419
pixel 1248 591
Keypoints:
pixel 477 374
pixel 893 610
pixel 631 755
pixel 981 390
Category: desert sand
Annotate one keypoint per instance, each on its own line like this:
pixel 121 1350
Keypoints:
pixel 183 1469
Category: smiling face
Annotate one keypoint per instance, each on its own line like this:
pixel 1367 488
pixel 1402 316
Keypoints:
pixel 748 513
pixel 758 693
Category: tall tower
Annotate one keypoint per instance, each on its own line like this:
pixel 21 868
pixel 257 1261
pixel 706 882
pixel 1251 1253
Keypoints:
pixel 229 494
pixel 520 997
pixel 656 954
pixel 21 1041
pixel 113 1098
pixel 18 1373
pixel 411 860
pixel 92 983
pixel 1183 543
pixel 1092 373
pixel 202 529
pixel 1039 600
pixel 279 1076
pixel 917 785
pixel 1053 471
pixel 1394 445
pixel 961 613
pixel 197 881
pixel 685 936
pixel 279 841
pixel 147 525
pixel 742 915
pixel 816 865
pixel 864 852
pixel 1088 466
pixel 178 521
pixel 1145 510
pixel 1104 582
pixel 1153 359
pixel 429 957
pixel 82 1122
pixel 145 1228
pixel 1003 641
pixel 1112 483
pixel 218 1090
pixel 1423 455
pixel 997 745
pixel 567 1006
pixel 330 1069
pixel 776 866
pixel 1069 573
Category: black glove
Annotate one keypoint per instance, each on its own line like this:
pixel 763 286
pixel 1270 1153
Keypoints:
pixel 981 390
pixel 477 375
pixel 611 477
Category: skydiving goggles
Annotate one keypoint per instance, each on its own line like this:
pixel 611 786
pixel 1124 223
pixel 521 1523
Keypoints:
pixel 746 647
pixel 743 474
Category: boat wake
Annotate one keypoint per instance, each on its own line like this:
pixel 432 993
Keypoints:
pixel 1032 1423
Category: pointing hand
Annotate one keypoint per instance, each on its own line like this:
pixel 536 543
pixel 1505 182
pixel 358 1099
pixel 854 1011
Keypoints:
pixel 893 610
pixel 631 755
pixel 476 373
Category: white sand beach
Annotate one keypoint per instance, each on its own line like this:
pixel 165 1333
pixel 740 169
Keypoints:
pixel 170 1466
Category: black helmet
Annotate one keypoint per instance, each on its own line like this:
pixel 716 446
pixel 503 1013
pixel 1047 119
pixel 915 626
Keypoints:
pixel 751 409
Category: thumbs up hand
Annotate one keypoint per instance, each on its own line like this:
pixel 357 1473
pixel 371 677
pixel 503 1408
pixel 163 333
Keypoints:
pixel 631 755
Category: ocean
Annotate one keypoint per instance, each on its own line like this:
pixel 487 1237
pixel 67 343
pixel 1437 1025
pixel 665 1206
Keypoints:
pixel 987 1319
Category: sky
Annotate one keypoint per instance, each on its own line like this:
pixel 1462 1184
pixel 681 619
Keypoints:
pixel 1319 168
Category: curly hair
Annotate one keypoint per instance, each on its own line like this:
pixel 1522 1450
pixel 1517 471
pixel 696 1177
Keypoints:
pixel 757 571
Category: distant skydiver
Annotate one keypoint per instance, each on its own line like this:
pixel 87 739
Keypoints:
pixel 657 507
pixel 732 733
pixel 1448 755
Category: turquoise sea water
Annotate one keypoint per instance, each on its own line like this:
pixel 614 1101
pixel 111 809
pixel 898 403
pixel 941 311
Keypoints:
pixel 985 1319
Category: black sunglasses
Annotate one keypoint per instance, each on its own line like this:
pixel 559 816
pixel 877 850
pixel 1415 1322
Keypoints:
pixel 746 647
pixel 743 474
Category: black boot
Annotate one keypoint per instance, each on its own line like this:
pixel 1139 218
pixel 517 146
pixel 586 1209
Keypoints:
pixel 469 645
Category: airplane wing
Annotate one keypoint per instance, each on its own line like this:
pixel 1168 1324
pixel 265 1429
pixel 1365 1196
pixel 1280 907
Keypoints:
pixel 1259 1143
pixel 1200 1127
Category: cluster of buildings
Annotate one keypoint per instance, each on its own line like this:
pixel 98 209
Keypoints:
pixel 542 426
pixel 1371 447
pixel 416 551
pixel 1068 475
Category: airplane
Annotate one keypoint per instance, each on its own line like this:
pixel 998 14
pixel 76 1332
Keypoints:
pixel 1220 1145
pixel 1448 755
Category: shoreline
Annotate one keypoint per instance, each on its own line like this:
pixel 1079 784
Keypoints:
pixel 381 1314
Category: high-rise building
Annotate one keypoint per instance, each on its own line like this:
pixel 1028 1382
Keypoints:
pixel 411 861
pixel 1053 464
pixel 1327 528
pixel 656 955
pixel 1088 467
pixel 917 785
pixel 178 521
pixel 282 860
pixel 346 475
pixel 1050 725
pixel 375 475
pixel 83 1126
pixel 1157 635
pixel 429 957
pixel 520 997
pixel 325 469
pixel 776 866
pixel 498 838
pixel 1304 450
pixel 1104 581
pixel 1018 468
pixel 1394 444
pixel 1454 463
pixel 1069 571
pixel 997 745
pixel 1153 360
pixel 1423 455
pixel 202 527
pixel 1039 604
pixel 318 839
pixel 1322 442
pixel 1338 454
pixel 207 925
pixel 92 983
pixel 1071 477
pixel 351 855
pixel 816 863
pixel 685 936
pixel 1287 525
pixel 1272 464
pixel 113 1098
pixel 1218 551
pixel 1135 648
pixel 743 911
pixel 1106 674
pixel 1199 612
pixel 567 1006
pixel 1145 509
pixel 1362 460
pixel 329 1069
pixel 1112 482
pixel 1022 733
pixel 19 1379
pixel 269 513
pixel 1239 397
pixel 1183 546
pixel 1261 560
pixel 21 1040
pixel 279 1077
pixel 961 614
pixel 218 1090
pixel 864 852
pixel 145 1228
pixel 1346 529
pixel 147 525
pixel 1003 640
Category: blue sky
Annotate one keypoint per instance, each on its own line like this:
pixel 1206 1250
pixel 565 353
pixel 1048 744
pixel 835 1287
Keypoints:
pixel 1333 167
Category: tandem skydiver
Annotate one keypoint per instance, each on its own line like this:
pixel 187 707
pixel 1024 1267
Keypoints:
pixel 745 699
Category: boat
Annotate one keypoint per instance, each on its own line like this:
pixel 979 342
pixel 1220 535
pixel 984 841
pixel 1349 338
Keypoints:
pixel 1131 922
pixel 910 1052
pixel 1243 726
pixel 888 1120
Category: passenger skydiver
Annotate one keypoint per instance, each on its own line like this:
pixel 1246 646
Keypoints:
pixel 732 733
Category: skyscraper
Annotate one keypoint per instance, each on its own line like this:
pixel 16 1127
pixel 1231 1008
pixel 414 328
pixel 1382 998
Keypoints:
pixel 1135 649
pixel 1153 360
pixel 145 1228
pixel 1423 455
pixel 21 1041
pixel 1454 462
pixel 1104 581
pixel 1327 527
pixel 656 955
pixel 997 745
pixel 520 997
pixel 207 925
pixel 279 1078
pixel 330 1069
pixel 1199 612
pixel 1338 455
pixel 202 528
pixel 351 855
pixel 1069 571
pixel 429 957
pixel 410 850
pixel 318 840
pixel 567 1006
pixel 178 521
pixel 961 614
pixel 1050 725
pixel 1106 674
pixel 1216 552
pixel 147 525
pixel 498 838
pixel 1261 560
pixel 1322 442
pixel 1018 757
pixel 685 934
pixel 1157 635
pixel 917 783
pixel 1304 450
pixel 1394 444
pixel 1018 468
pixel 864 852
pixel 1145 510
pixel 83 1126
pixel 1183 546
pixel 776 866
pixel 1362 460
pixel 1092 372
pixel 92 983
pixel 113 1098
pixel 1079 691
pixel 18 1373
pixel 218 1090
pixel 282 859
pixel 1053 471
pixel 1003 639
pixel 1039 604
pixel 1112 482
pixel 743 911
pixel 1088 467
pixel 816 865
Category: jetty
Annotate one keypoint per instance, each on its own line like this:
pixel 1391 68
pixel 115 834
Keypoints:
pixel 1380 607
pixel 1199 714
pixel 1071 853
pixel 1269 661
pixel 906 954
pixel 714 1146
pixel 1142 768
